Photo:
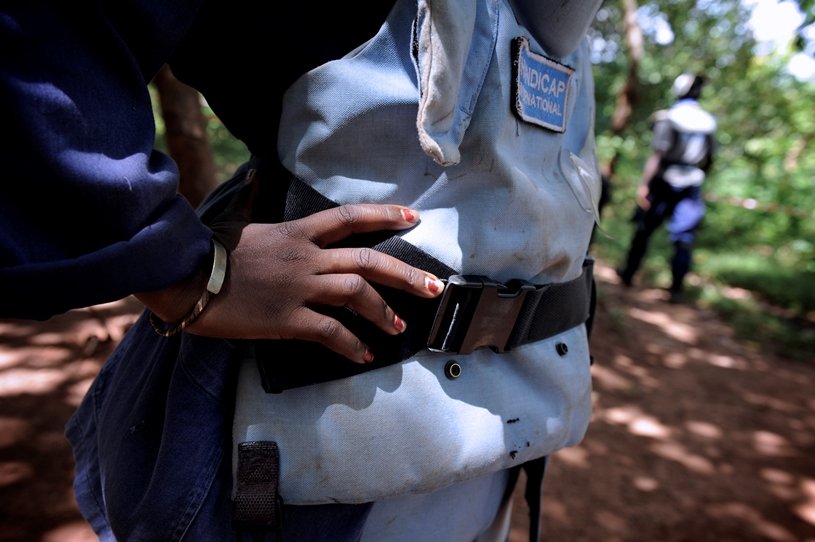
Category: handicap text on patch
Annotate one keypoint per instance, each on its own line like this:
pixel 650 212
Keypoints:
pixel 539 88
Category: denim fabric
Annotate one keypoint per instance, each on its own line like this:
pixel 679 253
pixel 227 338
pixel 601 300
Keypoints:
pixel 149 437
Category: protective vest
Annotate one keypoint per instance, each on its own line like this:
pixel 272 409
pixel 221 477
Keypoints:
pixel 684 135
pixel 458 111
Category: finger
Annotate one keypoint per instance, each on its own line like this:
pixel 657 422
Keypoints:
pixel 357 294
pixel 382 269
pixel 309 325
pixel 332 225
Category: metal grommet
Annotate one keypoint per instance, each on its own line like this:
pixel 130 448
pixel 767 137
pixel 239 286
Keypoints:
pixel 562 349
pixel 452 369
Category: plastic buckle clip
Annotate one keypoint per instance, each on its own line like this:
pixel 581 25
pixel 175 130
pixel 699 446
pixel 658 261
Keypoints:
pixel 476 311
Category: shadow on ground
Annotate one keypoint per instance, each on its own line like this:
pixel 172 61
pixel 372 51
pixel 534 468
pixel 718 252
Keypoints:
pixel 695 436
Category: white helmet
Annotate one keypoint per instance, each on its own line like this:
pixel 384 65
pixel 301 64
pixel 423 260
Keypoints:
pixel 684 83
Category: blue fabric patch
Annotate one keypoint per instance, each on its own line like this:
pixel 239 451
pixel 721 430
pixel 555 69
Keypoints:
pixel 539 88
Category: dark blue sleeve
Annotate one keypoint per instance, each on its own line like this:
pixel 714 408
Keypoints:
pixel 89 212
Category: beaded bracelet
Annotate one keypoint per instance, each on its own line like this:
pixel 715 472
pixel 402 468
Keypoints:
pixel 216 281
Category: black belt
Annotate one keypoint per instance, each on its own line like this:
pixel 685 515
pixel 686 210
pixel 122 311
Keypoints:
pixel 473 311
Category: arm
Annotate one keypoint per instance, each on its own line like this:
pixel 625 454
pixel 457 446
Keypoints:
pixel 649 170
pixel 89 212
pixel 661 142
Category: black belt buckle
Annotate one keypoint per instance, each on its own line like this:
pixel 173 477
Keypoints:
pixel 476 311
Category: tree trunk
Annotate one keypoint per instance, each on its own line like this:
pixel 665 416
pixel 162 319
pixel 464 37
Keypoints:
pixel 624 104
pixel 186 136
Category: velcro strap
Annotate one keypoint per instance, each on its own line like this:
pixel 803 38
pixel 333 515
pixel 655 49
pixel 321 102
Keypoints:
pixel 257 506
pixel 545 311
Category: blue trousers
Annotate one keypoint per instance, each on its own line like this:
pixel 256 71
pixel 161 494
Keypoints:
pixel 684 209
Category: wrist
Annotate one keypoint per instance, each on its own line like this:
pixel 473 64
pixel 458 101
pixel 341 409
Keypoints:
pixel 178 306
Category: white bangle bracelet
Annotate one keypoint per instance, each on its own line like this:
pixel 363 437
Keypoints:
pixel 216 281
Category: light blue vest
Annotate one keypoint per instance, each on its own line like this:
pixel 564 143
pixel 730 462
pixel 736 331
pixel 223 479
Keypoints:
pixel 492 141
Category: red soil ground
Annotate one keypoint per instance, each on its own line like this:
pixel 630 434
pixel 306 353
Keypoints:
pixel 696 436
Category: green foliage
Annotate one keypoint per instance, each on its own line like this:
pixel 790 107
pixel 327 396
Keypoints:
pixel 778 284
pixel 759 233
pixel 227 151
pixel 755 322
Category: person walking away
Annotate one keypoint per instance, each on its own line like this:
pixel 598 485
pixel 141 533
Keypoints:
pixel 683 145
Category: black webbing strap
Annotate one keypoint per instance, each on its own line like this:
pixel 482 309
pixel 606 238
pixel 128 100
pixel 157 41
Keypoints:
pixel 535 471
pixel 554 308
pixel 257 507
pixel 544 312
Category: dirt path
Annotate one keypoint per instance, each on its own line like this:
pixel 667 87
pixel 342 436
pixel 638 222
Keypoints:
pixel 695 436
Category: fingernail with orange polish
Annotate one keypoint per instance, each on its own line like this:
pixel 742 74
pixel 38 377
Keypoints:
pixel 409 215
pixel 368 356
pixel 433 285
pixel 399 324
